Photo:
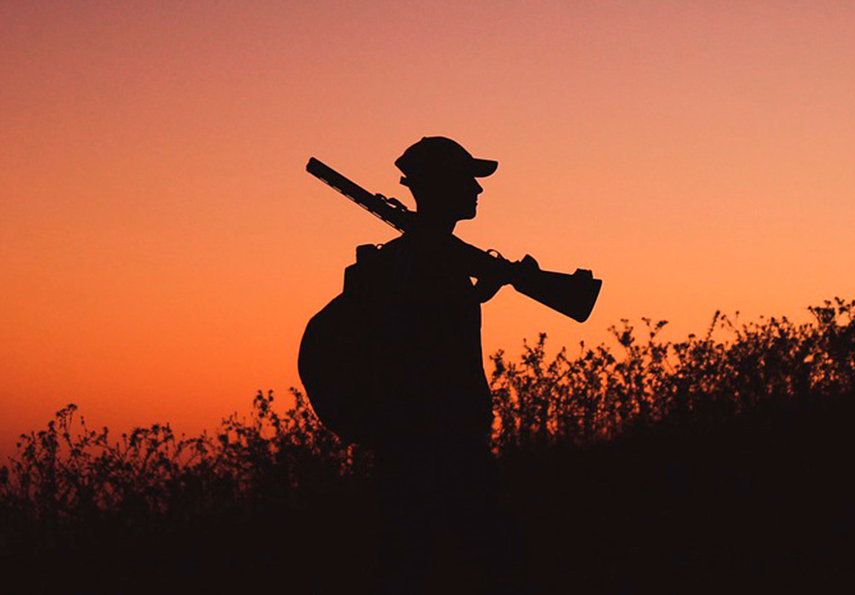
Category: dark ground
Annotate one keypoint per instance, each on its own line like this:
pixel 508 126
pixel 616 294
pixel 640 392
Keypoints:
pixel 760 504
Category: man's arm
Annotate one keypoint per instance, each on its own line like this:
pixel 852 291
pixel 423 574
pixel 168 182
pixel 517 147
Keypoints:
pixel 491 280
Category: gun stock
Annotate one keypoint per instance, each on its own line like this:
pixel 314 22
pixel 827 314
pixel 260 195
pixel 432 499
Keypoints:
pixel 572 295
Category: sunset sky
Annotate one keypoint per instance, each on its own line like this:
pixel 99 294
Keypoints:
pixel 162 247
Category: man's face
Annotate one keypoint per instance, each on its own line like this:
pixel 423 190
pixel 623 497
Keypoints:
pixel 456 195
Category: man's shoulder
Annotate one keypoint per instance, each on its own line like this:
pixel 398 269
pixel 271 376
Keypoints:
pixel 383 261
pixel 381 255
pixel 429 245
pixel 401 243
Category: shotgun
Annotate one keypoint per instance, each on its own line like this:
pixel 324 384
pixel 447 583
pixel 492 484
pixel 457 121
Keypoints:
pixel 572 295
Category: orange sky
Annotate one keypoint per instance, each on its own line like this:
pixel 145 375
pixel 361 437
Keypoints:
pixel 161 247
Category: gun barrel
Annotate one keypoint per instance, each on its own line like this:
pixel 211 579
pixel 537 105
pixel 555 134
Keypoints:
pixel 374 204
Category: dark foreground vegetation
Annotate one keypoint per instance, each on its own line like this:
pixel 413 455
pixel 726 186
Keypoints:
pixel 716 464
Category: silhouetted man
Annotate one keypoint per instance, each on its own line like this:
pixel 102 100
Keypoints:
pixel 435 475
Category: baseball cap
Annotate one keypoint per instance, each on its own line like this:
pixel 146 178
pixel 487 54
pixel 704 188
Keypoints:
pixel 437 156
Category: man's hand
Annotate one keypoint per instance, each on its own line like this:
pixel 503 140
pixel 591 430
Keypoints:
pixel 490 283
pixel 486 288
pixel 506 272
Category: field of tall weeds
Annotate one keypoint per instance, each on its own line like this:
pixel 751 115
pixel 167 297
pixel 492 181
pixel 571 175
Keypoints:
pixel 615 442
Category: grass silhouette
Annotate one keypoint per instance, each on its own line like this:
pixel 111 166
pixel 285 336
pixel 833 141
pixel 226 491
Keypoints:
pixel 715 462
pixel 732 369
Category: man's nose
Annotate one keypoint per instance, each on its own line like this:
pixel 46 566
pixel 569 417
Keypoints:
pixel 478 189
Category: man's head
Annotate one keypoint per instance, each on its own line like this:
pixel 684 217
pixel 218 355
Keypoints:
pixel 441 175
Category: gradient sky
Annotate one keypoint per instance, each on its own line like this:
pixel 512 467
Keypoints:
pixel 161 246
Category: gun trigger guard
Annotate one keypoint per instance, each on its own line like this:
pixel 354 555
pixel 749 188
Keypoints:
pixel 495 253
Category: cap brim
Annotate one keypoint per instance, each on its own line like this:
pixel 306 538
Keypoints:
pixel 481 168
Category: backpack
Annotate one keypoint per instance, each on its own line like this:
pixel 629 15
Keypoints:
pixel 335 362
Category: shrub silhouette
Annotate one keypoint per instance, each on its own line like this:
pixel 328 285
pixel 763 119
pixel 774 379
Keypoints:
pixel 70 473
pixel 702 380
pixel 572 435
